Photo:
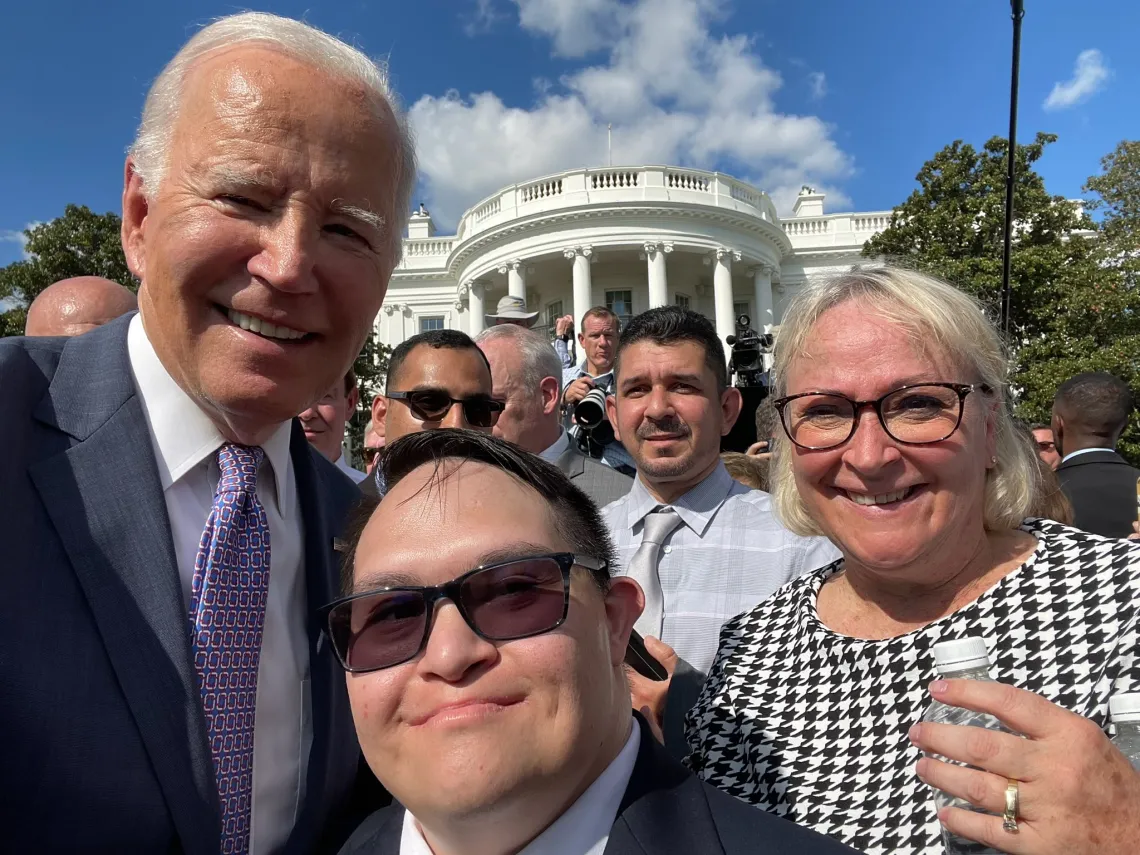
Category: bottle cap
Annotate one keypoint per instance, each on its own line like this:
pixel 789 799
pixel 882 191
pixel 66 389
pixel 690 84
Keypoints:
pixel 1125 707
pixel 961 654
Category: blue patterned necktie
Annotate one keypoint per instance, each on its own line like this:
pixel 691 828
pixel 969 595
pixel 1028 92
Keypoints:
pixel 227 616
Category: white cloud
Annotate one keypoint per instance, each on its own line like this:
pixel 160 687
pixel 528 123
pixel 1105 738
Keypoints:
pixel 673 92
pixel 482 18
pixel 18 237
pixel 1090 74
pixel 817 80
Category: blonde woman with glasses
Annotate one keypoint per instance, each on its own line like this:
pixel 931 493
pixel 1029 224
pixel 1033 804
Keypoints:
pixel 898 445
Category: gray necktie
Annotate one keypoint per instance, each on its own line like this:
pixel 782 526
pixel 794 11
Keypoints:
pixel 657 526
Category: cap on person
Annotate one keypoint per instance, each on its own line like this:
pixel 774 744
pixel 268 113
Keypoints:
pixel 77 305
pixel 512 310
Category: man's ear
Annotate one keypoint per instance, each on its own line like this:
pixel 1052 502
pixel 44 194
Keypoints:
pixel 133 229
pixel 625 602
pixel 379 412
pixel 611 414
pixel 551 400
pixel 731 404
pixel 351 402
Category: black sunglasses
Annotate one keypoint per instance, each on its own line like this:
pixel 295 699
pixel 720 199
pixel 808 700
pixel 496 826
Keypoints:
pixel 431 405
pixel 920 414
pixel 499 602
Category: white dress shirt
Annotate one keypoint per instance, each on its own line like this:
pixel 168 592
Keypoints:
pixel 1073 454
pixel 729 553
pixel 560 447
pixel 184 441
pixel 585 827
pixel 355 474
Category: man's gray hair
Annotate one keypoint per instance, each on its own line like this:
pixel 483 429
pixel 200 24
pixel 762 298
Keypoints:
pixel 150 152
pixel 538 357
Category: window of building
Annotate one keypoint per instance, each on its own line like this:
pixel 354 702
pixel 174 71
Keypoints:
pixel 431 322
pixel 683 300
pixel 546 320
pixel 621 304
pixel 739 309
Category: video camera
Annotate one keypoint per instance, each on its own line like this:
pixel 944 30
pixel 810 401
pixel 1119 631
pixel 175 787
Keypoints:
pixel 748 350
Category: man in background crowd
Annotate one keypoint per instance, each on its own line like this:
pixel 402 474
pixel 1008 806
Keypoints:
pixel 438 378
pixel 704 547
pixel 527 379
pixel 75 306
pixel 512 310
pixel 1046 446
pixel 598 339
pixel 373 442
pixel 524 744
pixel 1090 412
pixel 324 423
pixel 158 485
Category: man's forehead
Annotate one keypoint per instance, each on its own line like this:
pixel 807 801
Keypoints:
pixel 437 367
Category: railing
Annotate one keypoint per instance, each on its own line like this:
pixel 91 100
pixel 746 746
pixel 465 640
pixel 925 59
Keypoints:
pixel 488 209
pixel 613 179
pixel 687 181
pixel 542 190
pixel 428 246
pixel 742 193
pixel 806 227
pixel 874 223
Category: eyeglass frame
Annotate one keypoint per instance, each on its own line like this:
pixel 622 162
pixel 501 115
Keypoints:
pixel 963 389
pixel 433 594
pixel 496 407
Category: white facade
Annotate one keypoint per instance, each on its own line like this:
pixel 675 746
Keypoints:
pixel 632 238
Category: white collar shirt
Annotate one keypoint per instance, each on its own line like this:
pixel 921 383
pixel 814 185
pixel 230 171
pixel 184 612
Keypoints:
pixel 560 447
pixel 355 474
pixel 1073 454
pixel 728 554
pixel 584 829
pixel 184 442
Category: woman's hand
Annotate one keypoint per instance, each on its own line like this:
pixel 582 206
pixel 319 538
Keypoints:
pixel 648 696
pixel 1078 795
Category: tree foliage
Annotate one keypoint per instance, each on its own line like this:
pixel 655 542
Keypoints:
pixel 79 243
pixel 371 367
pixel 1070 311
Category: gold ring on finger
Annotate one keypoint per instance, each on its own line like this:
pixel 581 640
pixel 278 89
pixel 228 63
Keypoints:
pixel 1012 806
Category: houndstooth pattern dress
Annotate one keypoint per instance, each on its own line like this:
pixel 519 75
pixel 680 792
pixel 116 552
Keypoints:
pixel 812 726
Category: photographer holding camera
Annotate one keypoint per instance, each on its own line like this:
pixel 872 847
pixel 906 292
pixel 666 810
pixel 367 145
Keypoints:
pixel 586 387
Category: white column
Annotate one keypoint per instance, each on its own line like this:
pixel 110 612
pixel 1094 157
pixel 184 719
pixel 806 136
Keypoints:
pixel 386 335
pixel 722 294
pixel 516 278
pixel 583 285
pixel 658 282
pixel 762 282
pixel 475 311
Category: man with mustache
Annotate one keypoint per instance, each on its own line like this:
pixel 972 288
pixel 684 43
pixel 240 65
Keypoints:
pixel 703 547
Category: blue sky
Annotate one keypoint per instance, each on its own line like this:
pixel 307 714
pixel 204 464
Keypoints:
pixel 851 97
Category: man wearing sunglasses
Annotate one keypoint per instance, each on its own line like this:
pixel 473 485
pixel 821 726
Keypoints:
pixel 486 680
pixel 437 379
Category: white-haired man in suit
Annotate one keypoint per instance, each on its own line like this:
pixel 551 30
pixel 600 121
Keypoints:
pixel 526 375
pixel 169 530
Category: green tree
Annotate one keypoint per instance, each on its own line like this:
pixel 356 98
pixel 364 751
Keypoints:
pixel 371 367
pixel 1117 191
pixel 80 243
pixel 1070 312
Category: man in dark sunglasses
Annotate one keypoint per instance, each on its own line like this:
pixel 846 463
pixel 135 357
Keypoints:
pixel 483 639
pixel 437 379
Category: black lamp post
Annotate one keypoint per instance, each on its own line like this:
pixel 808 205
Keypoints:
pixel 1017 9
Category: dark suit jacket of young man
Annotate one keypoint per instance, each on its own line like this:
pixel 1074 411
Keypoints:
pixel 603 484
pixel 102 733
pixel 1102 487
pixel 666 810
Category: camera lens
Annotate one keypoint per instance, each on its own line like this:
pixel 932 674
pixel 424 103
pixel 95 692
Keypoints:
pixel 591 410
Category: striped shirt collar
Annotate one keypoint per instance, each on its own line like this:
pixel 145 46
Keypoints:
pixel 696 508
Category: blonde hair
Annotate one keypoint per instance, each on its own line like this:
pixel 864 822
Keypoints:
pixel 941 318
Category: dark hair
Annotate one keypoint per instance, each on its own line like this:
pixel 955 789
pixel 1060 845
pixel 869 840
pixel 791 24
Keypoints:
pixel 603 313
pixel 438 339
pixel 673 324
pixel 1039 426
pixel 349 382
pixel 575 516
pixel 1095 404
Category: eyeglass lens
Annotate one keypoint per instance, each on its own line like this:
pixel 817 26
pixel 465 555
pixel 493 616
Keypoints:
pixel 919 414
pixel 431 405
pixel 508 601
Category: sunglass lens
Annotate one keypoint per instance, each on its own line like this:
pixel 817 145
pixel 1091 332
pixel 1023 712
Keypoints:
pixel 378 631
pixel 517 599
pixel 479 412
pixel 430 406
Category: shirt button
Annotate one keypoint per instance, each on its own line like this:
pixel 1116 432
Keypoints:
pixel 668 549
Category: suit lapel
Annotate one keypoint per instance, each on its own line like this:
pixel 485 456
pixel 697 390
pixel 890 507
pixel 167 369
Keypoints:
pixel 572 463
pixel 105 500
pixel 664 808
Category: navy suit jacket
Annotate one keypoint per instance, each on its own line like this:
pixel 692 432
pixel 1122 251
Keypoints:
pixel 102 736
pixel 666 810
pixel 1102 487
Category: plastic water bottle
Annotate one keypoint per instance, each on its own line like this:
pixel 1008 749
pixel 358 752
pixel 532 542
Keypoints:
pixel 962 659
pixel 1125 712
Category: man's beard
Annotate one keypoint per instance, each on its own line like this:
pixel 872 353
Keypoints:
pixel 665 467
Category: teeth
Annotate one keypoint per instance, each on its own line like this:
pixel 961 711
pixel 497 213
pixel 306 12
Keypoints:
pixel 257 325
pixel 881 499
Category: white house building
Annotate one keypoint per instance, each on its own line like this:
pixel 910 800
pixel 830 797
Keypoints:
pixel 630 238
